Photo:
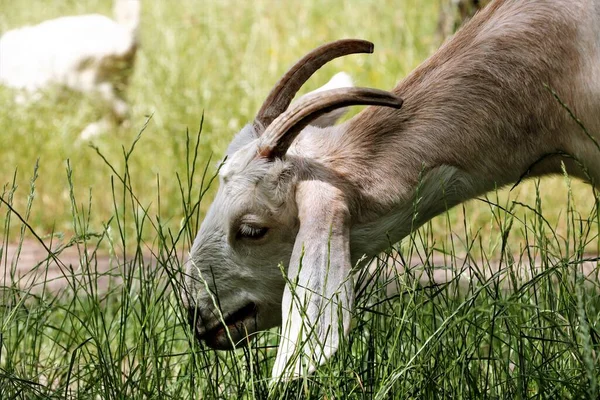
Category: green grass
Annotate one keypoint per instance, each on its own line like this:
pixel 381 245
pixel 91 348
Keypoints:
pixel 495 335
pixel 216 57
pixel 499 334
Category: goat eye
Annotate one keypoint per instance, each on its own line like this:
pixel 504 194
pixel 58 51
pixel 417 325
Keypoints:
pixel 251 232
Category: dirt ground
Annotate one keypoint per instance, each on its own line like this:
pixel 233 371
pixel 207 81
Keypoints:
pixel 35 271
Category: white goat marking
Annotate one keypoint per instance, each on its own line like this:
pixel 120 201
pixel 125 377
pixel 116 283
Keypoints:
pixel 86 53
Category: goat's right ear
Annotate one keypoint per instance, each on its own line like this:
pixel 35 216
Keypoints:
pixel 319 293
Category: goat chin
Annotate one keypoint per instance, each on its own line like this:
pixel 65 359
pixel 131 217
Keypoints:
pixel 304 206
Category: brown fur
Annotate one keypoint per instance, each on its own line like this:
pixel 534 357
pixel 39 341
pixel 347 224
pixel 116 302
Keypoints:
pixel 479 104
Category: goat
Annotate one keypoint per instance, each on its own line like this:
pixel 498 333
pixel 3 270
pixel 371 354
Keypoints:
pixel 299 207
pixel 86 53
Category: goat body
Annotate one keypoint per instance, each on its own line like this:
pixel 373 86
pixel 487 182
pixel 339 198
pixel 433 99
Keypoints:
pixel 479 114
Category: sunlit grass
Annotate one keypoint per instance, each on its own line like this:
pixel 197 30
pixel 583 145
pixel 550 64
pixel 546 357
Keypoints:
pixel 507 321
pixel 498 329
pixel 216 57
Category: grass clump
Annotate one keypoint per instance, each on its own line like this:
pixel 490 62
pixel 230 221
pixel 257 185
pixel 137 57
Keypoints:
pixel 497 298
pixel 475 316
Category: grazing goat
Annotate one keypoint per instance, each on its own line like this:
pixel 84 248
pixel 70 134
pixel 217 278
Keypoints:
pixel 311 202
pixel 86 53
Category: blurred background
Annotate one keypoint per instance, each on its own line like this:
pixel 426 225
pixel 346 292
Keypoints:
pixel 220 59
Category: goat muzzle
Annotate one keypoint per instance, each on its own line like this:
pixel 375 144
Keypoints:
pixel 232 334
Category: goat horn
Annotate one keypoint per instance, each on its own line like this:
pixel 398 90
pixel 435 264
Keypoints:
pixel 284 91
pixel 280 134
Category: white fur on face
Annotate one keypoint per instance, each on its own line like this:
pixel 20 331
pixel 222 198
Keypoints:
pixel 227 271
pixel 230 274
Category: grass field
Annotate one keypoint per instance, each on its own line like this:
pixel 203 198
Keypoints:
pixel 500 335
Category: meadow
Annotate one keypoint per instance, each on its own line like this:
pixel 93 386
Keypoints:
pixel 517 316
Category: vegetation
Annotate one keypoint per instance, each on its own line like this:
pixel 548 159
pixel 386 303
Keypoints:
pixel 516 315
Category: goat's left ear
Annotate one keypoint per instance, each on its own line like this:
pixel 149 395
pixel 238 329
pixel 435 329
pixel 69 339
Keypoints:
pixel 339 80
pixel 320 291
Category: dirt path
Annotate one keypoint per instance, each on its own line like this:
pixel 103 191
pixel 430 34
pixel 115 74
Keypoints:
pixel 35 270
pixel 32 268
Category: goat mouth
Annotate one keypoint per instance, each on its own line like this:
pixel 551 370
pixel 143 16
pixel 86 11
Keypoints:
pixel 238 324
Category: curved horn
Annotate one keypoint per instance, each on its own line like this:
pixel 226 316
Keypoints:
pixel 278 136
pixel 284 91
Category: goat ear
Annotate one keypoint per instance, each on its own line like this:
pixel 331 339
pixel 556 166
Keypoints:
pixel 339 80
pixel 320 291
